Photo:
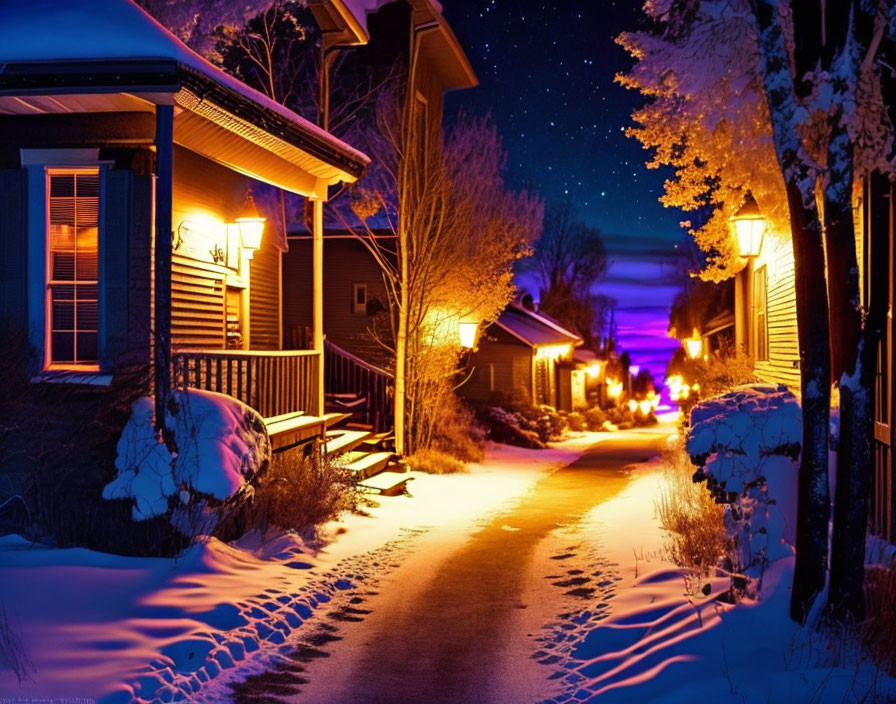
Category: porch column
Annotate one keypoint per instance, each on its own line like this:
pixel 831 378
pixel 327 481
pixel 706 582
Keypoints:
pixel 317 239
pixel 162 249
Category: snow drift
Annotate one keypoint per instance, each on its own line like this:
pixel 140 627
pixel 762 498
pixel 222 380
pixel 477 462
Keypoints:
pixel 222 444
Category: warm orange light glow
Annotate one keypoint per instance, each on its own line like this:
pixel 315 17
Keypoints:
pixel 554 352
pixel 614 388
pixel 632 405
pixel 694 345
pixel 678 390
pixel 593 370
pixel 251 226
pixel 749 227
pixel 468 334
pixel 645 407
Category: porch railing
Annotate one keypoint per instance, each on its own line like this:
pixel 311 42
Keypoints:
pixel 272 383
pixel 346 374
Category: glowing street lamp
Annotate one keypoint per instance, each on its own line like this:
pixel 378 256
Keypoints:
pixel 748 226
pixel 251 226
pixel 468 334
pixel 694 345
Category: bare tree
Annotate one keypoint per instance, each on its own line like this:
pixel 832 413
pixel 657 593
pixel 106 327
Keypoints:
pixel 456 232
pixel 569 259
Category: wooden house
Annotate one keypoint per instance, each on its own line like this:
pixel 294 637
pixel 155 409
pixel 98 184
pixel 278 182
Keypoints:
pixel 766 327
pixel 127 163
pixel 525 354
pixel 412 33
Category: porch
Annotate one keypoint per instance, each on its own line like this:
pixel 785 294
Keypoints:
pixel 282 386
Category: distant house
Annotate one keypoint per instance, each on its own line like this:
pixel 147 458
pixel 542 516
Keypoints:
pixel 527 354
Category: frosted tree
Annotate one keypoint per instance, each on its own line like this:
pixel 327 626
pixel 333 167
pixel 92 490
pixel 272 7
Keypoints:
pixel 783 99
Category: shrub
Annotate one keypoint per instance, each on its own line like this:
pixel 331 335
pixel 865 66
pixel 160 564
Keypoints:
pixel 298 492
pixel 435 461
pixel 510 428
pixel 595 418
pixel 459 435
pixel 696 537
pixel 576 422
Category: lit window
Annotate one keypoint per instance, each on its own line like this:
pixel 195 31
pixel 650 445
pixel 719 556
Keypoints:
pixel 760 315
pixel 73 268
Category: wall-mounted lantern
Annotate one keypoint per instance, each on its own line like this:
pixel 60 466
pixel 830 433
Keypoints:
pixel 468 333
pixel 694 345
pixel 748 226
pixel 251 225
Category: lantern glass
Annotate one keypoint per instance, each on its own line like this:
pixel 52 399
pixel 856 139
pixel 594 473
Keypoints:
pixel 468 334
pixel 749 235
pixel 251 226
pixel 694 345
pixel 749 227
pixel 251 230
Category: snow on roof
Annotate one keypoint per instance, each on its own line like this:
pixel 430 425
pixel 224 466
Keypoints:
pixel 533 328
pixel 63 30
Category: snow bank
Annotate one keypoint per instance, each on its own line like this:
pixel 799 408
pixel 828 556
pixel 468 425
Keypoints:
pixel 221 445
pixel 746 443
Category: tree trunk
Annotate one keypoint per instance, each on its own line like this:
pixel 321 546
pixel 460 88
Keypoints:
pixel 813 503
pixel 781 90
pixel 854 456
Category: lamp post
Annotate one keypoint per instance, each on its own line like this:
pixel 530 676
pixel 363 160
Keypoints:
pixel 748 227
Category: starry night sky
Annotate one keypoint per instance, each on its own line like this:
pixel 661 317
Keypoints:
pixel 546 70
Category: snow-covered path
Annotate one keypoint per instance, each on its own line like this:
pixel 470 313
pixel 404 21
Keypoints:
pixel 454 622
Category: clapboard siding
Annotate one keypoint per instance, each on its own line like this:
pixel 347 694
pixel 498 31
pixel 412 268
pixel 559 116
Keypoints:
pixel 264 297
pixel 346 262
pixel 508 359
pixel 782 366
pixel 197 305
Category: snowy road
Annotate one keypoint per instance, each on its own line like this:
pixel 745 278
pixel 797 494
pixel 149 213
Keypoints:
pixel 457 620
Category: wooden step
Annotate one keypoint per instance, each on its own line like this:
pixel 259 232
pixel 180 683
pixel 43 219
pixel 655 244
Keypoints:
pixel 339 441
pixel 365 464
pixel 331 419
pixel 387 483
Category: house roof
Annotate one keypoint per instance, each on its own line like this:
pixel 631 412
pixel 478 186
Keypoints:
pixel 344 22
pixel 110 55
pixel 535 329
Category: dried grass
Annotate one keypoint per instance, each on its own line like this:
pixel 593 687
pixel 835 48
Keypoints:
pixel 12 647
pixel 435 462
pixel 297 493
pixel 879 627
pixel 694 523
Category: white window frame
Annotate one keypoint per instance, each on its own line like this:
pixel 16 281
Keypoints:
pixel 49 364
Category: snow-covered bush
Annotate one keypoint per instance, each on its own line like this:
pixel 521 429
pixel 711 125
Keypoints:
pixel 745 444
pixel 510 428
pixel 221 446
